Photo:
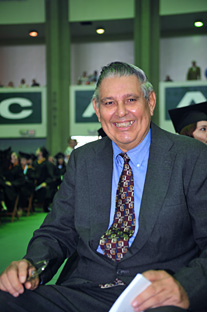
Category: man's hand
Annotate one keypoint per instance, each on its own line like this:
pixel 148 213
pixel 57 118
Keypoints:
pixel 163 291
pixel 14 278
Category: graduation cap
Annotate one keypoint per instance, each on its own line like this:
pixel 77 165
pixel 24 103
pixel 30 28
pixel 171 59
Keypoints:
pixel 59 155
pixel 32 156
pixel 24 155
pixel 6 151
pixel 184 116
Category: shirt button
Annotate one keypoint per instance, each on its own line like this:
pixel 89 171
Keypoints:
pixel 138 165
pixel 122 272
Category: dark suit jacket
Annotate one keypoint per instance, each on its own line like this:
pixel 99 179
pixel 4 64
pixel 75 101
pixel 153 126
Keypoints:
pixel 172 223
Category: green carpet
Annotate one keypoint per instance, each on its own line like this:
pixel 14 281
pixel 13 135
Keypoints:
pixel 15 236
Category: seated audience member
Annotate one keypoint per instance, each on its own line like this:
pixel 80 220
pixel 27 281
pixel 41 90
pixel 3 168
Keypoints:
pixel 168 78
pixel 71 145
pixel 23 83
pixel 10 84
pixel 35 83
pixel 29 186
pixel 152 220
pixel 191 121
pixel 5 156
pixel 32 159
pixel 194 72
pixel 45 179
pixel 60 167
pixel 94 77
pixel 13 181
pixel 83 79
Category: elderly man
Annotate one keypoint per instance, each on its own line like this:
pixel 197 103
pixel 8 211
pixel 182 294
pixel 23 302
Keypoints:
pixel 153 223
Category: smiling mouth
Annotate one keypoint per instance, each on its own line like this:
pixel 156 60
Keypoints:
pixel 124 124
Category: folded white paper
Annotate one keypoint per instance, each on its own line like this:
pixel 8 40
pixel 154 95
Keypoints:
pixel 123 303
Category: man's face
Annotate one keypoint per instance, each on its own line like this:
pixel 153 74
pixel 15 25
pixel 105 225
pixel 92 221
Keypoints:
pixel 123 111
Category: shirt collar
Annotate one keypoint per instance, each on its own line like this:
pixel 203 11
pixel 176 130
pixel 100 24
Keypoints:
pixel 137 154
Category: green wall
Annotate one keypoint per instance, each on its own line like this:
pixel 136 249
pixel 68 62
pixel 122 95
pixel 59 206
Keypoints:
pixel 168 7
pixel 22 12
pixel 94 10
pixel 33 11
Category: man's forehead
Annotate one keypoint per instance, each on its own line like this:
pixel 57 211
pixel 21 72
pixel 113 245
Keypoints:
pixel 126 82
pixel 122 85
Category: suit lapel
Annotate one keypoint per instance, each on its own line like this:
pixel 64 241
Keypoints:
pixel 158 176
pixel 100 178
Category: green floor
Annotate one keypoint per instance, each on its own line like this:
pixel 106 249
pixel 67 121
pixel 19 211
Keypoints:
pixel 15 236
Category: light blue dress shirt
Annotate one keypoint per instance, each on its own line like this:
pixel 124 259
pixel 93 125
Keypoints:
pixel 138 161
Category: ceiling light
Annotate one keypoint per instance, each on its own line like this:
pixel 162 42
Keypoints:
pixel 100 30
pixel 33 33
pixel 198 24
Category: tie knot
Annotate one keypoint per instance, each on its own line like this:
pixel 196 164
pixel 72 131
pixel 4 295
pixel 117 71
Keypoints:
pixel 126 157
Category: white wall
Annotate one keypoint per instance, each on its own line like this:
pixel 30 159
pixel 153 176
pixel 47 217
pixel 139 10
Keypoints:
pixel 25 61
pixel 29 62
pixel 176 55
pixel 93 56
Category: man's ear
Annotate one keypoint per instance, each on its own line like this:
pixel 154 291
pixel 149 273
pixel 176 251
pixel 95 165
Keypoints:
pixel 152 102
pixel 96 108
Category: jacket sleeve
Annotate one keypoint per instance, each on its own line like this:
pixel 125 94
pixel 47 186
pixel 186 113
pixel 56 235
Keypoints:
pixel 57 238
pixel 193 277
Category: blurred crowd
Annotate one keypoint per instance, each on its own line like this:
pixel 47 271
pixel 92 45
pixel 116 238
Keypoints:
pixel 86 79
pixel 22 84
pixel 24 175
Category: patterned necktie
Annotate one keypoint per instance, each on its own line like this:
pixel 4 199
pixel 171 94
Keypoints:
pixel 115 241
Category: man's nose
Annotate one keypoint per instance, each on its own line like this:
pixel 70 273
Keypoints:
pixel 121 109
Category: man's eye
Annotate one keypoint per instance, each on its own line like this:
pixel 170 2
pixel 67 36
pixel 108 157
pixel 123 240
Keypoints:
pixel 203 129
pixel 131 100
pixel 108 103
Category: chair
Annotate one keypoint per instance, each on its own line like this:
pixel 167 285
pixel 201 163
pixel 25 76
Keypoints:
pixel 28 209
pixel 12 213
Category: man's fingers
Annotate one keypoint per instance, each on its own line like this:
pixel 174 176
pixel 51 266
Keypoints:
pixel 23 267
pixel 14 276
pixel 10 282
pixel 152 275
pixel 164 290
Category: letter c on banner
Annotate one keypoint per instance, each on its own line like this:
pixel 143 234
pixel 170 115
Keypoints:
pixel 6 113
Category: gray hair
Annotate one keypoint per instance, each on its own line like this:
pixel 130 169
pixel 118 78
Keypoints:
pixel 123 69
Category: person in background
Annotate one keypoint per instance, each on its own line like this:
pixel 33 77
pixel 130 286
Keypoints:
pixel 45 179
pixel 168 78
pixel 29 186
pixel 152 221
pixel 191 121
pixel 71 145
pixel 10 84
pixel 32 159
pixel 194 72
pixel 83 79
pixel 94 77
pixel 60 167
pixel 14 180
pixel 23 83
pixel 5 156
pixel 35 83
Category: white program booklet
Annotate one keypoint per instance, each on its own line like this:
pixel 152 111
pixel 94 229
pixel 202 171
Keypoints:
pixel 123 302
